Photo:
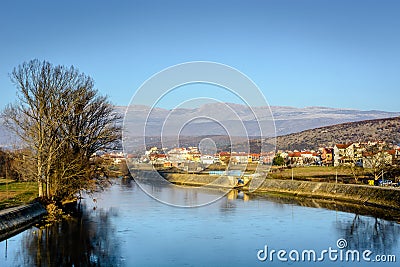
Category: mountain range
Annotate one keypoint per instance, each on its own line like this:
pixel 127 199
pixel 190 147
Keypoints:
pixel 287 120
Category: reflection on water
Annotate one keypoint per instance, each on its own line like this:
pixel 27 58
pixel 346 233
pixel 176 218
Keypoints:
pixel 237 194
pixel 178 195
pixel 79 241
pixel 125 227
pixel 374 234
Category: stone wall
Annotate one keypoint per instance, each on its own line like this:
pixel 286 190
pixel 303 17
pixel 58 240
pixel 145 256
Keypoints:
pixel 15 219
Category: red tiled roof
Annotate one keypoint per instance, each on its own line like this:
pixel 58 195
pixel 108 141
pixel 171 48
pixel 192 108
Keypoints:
pixel 342 146
pixel 392 152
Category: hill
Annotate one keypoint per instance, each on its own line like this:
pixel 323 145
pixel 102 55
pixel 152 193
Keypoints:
pixel 387 130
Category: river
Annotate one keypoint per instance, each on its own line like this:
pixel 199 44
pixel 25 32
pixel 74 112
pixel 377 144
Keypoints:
pixel 126 227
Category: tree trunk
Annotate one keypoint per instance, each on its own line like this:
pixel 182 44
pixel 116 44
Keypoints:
pixel 47 187
pixel 40 186
pixel 48 181
pixel 39 176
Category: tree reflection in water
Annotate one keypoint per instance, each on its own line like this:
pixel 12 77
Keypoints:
pixel 377 235
pixel 83 240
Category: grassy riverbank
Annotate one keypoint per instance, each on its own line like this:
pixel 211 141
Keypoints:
pixel 306 173
pixel 312 173
pixel 16 193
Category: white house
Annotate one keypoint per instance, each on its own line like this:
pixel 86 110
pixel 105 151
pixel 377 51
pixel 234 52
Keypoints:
pixel 207 159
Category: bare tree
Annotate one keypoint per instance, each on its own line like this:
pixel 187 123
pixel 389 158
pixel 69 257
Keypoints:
pixel 62 120
pixel 350 158
pixel 377 161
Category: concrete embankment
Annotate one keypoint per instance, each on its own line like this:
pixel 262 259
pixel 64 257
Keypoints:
pixel 16 219
pixel 384 197
pixel 193 179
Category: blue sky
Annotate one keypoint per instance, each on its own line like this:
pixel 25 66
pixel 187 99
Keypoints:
pixel 335 53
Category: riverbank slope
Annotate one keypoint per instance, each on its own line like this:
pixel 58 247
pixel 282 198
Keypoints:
pixel 384 197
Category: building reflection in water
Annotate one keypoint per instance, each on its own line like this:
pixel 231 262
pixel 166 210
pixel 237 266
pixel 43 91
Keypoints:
pixel 237 194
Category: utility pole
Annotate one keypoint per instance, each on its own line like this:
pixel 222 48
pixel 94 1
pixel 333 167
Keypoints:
pixel 292 174
pixel 336 175
pixel 6 182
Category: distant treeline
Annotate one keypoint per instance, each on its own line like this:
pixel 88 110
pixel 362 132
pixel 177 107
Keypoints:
pixel 9 165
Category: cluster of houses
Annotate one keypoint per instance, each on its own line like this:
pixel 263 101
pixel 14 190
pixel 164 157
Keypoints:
pixel 363 154
pixel 367 154
pixel 176 157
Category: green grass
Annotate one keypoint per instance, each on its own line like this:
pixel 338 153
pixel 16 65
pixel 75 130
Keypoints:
pixel 5 181
pixel 16 193
pixel 310 173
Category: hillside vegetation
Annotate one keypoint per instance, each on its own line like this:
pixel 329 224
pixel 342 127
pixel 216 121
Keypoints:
pixel 387 130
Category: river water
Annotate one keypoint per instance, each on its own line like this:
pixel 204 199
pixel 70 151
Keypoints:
pixel 126 227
